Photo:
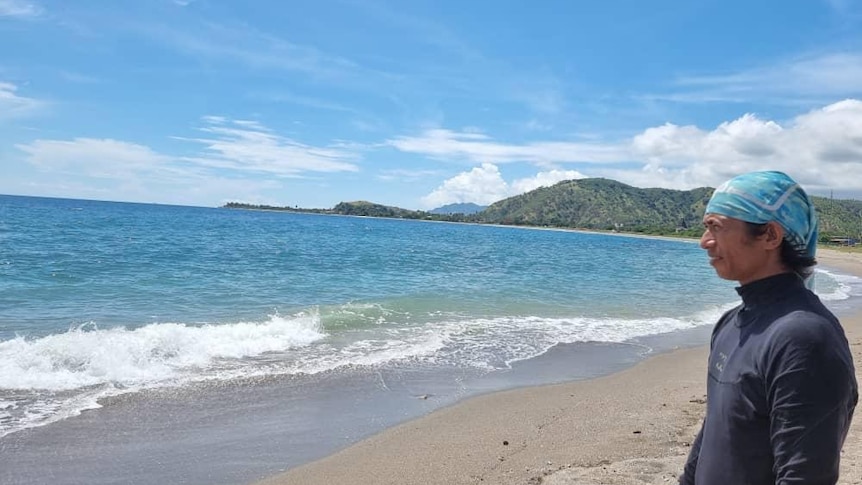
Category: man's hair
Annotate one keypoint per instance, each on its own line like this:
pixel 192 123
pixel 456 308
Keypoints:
pixel 796 259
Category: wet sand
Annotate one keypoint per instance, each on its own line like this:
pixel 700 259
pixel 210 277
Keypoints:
pixel 632 427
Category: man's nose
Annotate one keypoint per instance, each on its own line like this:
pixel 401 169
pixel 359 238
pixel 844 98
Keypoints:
pixel 706 240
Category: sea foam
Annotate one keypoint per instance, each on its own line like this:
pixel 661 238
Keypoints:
pixel 43 380
pixel 831 286
pixel 87 356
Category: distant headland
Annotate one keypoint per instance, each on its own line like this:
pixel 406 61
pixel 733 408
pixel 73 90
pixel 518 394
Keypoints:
pixel 597 204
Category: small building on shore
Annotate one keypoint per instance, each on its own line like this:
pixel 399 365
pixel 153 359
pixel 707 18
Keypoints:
pixel 843 241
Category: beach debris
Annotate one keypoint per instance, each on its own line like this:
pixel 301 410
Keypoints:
pixel 637 431
pixel 505 443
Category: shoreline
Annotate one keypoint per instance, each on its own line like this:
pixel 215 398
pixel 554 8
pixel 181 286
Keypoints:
pixel 627 428
pixel 487 224
pixel 659 237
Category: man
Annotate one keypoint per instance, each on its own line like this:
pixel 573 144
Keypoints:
pixel 781 388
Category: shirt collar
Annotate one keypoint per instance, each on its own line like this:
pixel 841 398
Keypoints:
pixel 770 289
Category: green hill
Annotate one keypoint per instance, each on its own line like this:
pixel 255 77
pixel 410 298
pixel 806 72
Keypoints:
pixel 839 218
pixel 365 208
pixel 467 208
pixel 610 205
pixel 603 204
pixel 369 209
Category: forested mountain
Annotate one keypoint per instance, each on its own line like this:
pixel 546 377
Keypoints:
pixel 603 204
pixel 365 208
pixel 466 208
pixel 839 218
pixel 610 205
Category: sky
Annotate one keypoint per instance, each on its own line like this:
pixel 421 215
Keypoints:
pixel 422 103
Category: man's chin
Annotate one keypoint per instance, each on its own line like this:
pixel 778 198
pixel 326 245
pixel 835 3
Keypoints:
pixel 722 273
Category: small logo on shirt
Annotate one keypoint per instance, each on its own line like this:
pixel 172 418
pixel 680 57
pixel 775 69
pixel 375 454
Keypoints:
pixel 720 361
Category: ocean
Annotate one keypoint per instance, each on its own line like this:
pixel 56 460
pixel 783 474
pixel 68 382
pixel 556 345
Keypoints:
pixel 145 343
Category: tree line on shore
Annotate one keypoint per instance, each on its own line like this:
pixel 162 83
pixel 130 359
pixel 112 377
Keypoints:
pixel 602 205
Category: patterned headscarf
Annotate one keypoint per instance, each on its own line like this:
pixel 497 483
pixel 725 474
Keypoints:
pixel 761 197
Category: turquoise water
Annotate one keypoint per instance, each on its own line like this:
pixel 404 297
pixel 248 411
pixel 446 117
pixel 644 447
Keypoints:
pixel 101 299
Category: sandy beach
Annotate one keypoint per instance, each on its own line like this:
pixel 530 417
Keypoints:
pixel 632 427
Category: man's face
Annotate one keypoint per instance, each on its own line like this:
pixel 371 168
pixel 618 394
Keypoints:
pixel 733 253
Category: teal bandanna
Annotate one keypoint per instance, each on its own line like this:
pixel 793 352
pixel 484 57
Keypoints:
pixel 761 197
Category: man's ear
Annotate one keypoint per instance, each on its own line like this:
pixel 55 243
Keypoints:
pixel 774 235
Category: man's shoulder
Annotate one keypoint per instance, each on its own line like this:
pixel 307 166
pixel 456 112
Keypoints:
pixel 803 320
pixel 805 328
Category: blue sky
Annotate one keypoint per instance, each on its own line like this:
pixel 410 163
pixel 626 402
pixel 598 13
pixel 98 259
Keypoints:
pixel 421 103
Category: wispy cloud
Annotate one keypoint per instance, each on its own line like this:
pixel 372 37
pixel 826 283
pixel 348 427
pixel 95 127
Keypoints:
pixel 255 49
pixel 839 6
pixel 299 100
pixel 422 28
pixel 803 80
pixel 540 91
pixel 405 175
pixel 19 8
pixel 100 158
pixel 13 105
pixel 245 145
pixel 78 78
pixel 240 148
pixel 107 168
pixel 459 66
pixel 479 148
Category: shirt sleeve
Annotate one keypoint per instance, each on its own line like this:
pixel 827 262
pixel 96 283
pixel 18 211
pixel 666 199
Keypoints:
pixel 687 477
pixel 811 394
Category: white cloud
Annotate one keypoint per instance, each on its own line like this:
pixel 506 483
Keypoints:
pixel 249 146
pixel 542 179
pixel 822 149
pixel 479 148
pixel 19 8
pixel 481 185
pixel 485 185
pixel 14 106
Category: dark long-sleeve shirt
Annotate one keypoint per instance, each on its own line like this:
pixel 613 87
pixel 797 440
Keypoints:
pixel 781 391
